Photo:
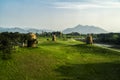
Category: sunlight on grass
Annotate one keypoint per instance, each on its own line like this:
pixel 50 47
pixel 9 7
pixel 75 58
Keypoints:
pixel 61 60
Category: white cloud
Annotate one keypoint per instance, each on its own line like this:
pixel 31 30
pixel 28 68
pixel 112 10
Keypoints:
pixel 87 5
pixel 68 5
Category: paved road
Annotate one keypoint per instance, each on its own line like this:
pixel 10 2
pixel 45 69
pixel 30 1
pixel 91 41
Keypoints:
pixel 110 47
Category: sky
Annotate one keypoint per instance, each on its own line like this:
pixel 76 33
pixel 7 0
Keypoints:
pixel 60 14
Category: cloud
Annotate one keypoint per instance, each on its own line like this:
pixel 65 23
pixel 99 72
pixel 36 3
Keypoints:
pixel 69 5
pixel 104 4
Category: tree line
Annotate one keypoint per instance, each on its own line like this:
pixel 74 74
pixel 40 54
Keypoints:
pixel 108 38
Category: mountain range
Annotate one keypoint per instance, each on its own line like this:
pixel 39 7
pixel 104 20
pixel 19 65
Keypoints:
pixel 79 28
pixel 16 29
pixel 84 29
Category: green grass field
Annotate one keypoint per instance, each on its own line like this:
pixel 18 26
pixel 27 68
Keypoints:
pixel 61 60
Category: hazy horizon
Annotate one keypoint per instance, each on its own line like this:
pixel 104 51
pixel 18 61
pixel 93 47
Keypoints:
pixel 26 28
pixel 60 14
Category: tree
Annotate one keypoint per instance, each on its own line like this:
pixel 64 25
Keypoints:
pixel 5 46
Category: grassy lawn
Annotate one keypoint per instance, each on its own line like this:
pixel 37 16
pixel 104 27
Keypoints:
pixel 61 60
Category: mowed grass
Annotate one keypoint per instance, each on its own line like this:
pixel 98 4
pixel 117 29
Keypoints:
pixel 61 60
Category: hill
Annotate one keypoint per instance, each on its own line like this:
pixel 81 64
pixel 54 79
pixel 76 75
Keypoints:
pixel 85 29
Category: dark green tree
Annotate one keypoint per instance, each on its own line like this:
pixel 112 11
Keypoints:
pixel 5 47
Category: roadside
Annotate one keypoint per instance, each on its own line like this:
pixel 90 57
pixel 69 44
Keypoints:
pixel 108 46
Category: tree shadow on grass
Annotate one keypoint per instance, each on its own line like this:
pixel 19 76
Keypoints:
pixel 95 71
pixel 83 48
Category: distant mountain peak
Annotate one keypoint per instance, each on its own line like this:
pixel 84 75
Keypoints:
pixel 78 26
pixel 85 29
